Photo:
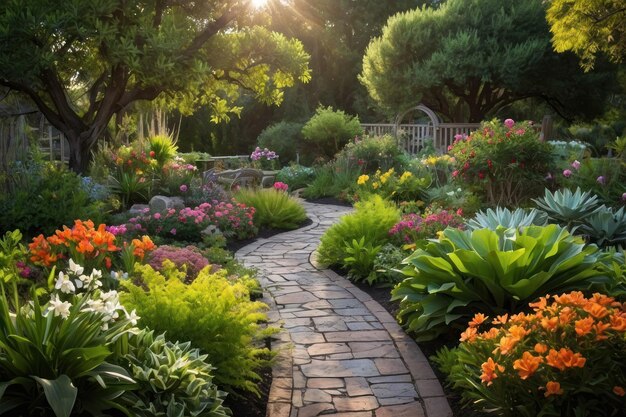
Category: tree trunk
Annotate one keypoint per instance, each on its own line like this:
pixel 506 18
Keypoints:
pixel 81 145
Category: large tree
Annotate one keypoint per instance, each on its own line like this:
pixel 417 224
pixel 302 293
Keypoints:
pixel 83 61
pixel 470 58
pixel 589 27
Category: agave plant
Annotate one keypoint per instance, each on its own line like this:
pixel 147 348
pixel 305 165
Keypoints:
pixel 503 217
pixel 605 228
pixel 568 208
pixel 493 272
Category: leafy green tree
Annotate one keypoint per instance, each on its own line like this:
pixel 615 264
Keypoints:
pixel 470 58
pixel 589 27
pixel 83 61
pixel 328 131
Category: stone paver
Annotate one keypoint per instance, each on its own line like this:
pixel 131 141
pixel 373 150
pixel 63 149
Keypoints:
pixel 340 352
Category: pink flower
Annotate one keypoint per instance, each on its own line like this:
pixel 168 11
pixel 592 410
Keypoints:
pixel 157 216
pixel 624 197
pixel 576 164
pixel 455 173
pixel 509 123
pixel 183 188
pixel 567 173
pixel 280 186
pixel 601 180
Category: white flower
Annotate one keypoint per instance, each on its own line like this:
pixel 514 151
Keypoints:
pixel 96 306
pixel 109 296
pixel 60 308
pixel 65 284
pixel 96 274
pixel 75 268
pixel 133 317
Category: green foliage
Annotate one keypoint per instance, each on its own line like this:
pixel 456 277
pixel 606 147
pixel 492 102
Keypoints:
pixel 605 177
pixel 296 176
pixel 335 179
pixel 173 379
pixel 285 138
pixel 387 260
pixel 274 209
pixel 588 28
pixel 59 357
pixel 503 217
pixel 360 260
pixel 195 54
pixel 488 271
pixel 376 153
pixel 328 131
pixel 467 59
pixel 605 227
pixel 212 312
pixel 371 220
pixel 43 196
pixel 505 162
pixel 568 208
pixel 162 148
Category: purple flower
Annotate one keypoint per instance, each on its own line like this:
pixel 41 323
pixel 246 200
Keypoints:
pixel 601 180
pixel 173 231
pixel 509 123
pixel 624 197
pixel 567 173
pixel 183 188
pixel 576 164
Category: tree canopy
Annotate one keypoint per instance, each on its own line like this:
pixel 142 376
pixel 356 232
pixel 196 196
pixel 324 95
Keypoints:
pixel 589 27
pixel 469 58
pixel 83 61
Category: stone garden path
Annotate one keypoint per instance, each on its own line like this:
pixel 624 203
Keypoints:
pixel 341 353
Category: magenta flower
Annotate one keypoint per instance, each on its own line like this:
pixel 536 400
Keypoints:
pixel 157 216
pixel 567 173
pixel 183 188
pixel 509 123
pixel 576 164
pixel 281 186
pixel 601 180
pixel 173 231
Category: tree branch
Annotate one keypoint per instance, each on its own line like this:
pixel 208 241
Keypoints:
pixel 47 111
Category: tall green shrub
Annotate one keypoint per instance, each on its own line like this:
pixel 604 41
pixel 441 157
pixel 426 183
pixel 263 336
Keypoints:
pixel 328 130
pixel 284 138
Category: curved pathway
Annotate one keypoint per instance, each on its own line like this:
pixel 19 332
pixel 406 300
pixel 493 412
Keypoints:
pixel 340 353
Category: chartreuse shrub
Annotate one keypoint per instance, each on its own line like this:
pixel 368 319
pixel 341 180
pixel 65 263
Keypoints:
pixel 330 130
pixel 174 379
pixel 505 162
pixel 566 358
pixel 354 241
pixel 212 312
pixel 493 272
pixel 274 209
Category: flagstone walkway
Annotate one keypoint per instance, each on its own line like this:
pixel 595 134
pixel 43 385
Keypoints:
pixel 341 353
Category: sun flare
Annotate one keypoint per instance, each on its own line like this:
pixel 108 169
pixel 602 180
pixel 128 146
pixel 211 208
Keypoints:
pixel 257 4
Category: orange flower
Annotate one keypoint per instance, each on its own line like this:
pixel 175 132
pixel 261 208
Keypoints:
pixel 553 388
pixel 566 315
pixel 618 322
pixel 518 332
pixel 489 371
pixel 602 299
pixel 541 304
pixel 575 298
pixel 507 344
pixel 600 328
pixel 469 335
pixel 85 246
pixel 501 319
pixel 478 319
pixel 617 390
pixel 564 359
pixel 541 348
pixel 584 326
pixel 550 323
pixel 527 365
pixel 491 334
pixel 596 310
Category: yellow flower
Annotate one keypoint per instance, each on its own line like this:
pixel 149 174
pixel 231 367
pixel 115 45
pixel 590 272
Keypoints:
pixel 439 234
pixel 363 179
pixel 405 176
pixel 375 185
pixel 431 161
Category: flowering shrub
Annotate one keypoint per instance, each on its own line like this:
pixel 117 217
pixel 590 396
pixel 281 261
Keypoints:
pixel 414 227
pixel 204 192
pixel 176 177
pixel 233 219
pixel 603 176
pixel 567 358
pixel 440 167
pixel 281 186
pixel 90 246
pixel 296 176
pixel 188 258
pixel 264 158
pixel 374 153
pixel 506 162
pixel 389 185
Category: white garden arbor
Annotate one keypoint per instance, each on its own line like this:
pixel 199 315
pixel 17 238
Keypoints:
pixel 412 136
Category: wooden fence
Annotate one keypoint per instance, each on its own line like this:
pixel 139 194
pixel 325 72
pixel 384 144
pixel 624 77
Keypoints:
pixel 411 137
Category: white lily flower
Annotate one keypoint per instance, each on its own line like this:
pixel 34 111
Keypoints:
pixel 60 308
pixel 65 284
pixel 75 268
pixel 133 317
pixel 109 296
